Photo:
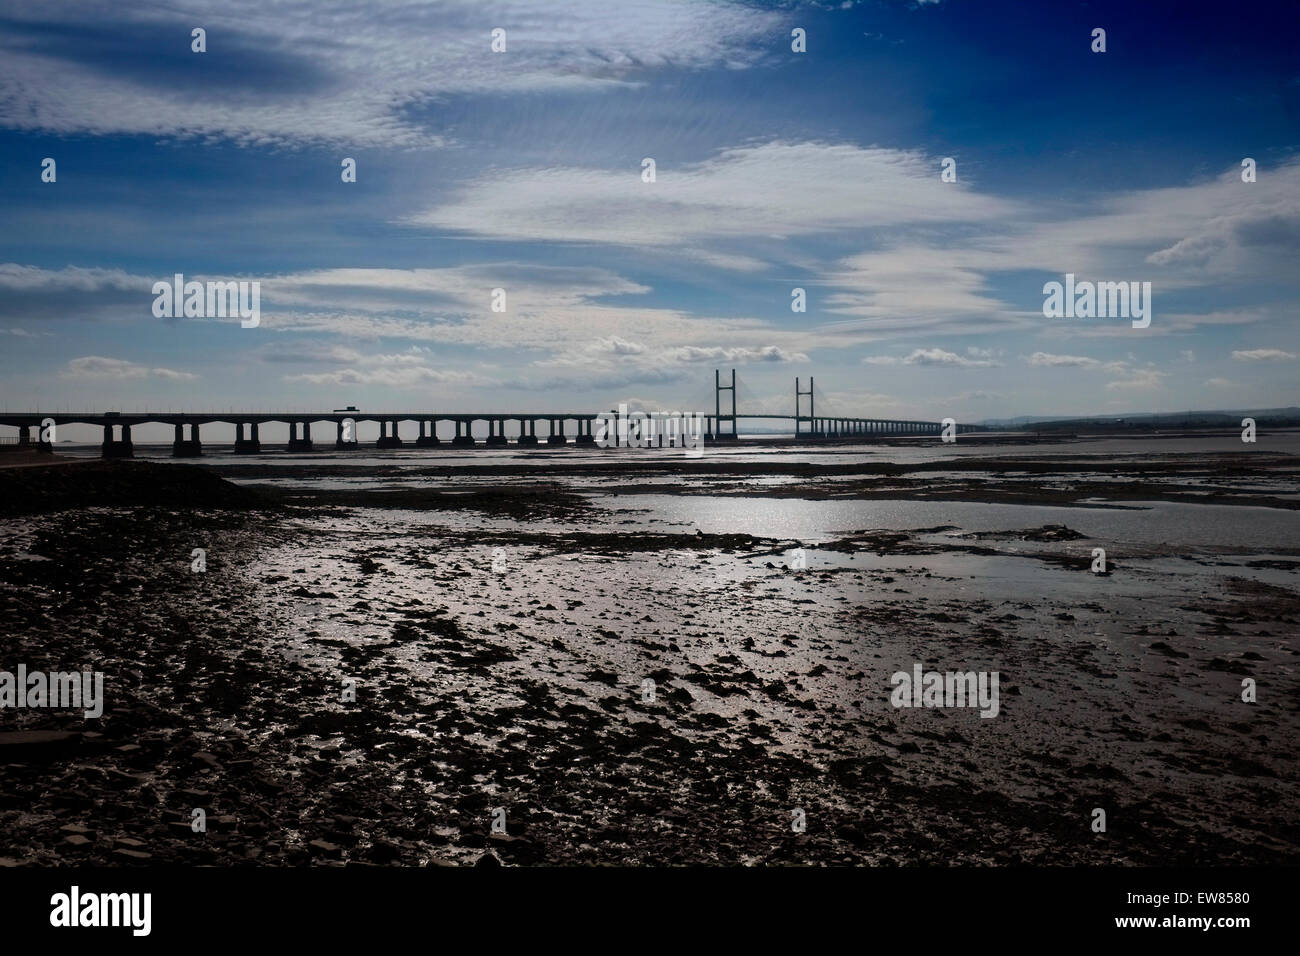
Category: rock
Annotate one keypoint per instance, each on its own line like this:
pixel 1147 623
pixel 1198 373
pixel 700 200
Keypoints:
pixel 23 745
pixel 487 859
pixel 209 759
pixel 381 851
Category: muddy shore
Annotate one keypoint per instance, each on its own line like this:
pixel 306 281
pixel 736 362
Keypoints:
pixel 507 668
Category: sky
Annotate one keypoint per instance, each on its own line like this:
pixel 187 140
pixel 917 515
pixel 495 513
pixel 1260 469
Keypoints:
pixel 774 170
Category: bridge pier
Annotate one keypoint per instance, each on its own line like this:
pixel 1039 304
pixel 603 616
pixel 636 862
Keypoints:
pixel 116 448
pixel 303 443
pixel 187 448
pixel 345 444
pixel 556 437
pixel 464 434
pixel 585 437
pixel 428 437
pixel 496 431
pixel 387 440
pixel 531 437
pixel 246 446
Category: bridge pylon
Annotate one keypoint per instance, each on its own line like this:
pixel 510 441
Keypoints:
pixel 799 419
pixel 718 417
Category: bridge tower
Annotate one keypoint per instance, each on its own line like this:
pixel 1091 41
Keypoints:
pixel 812 431
pixel 718 417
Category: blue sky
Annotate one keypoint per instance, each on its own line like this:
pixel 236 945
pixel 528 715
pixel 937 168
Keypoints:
pixel 774 170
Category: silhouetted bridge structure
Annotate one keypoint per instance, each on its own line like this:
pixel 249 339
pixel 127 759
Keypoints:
pixel 118 443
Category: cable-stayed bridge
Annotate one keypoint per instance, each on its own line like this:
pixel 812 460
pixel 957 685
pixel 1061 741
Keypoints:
pixel 458 429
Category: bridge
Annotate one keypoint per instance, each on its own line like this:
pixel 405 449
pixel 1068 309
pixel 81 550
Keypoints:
pixel 719 427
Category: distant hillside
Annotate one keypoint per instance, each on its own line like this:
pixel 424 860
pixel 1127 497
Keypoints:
pixel 1219 418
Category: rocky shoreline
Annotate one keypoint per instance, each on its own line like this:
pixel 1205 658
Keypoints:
pixel 525 690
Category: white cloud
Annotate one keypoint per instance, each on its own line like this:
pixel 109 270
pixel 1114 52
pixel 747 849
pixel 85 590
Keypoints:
pixel 1048 360
pixel 1262 355
pixel 1139 379
pixel 98 367
pixel 935 356
pixel 403 376
pixel 19 278
pixel 1244 233
pixel 336 71
pixel 773 190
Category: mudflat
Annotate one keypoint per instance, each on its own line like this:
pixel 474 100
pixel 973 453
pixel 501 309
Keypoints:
pixel 373 666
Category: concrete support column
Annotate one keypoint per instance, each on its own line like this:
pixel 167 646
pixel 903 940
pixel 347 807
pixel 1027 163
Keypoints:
pixel 117 448
pixel 344 441
pixel 528 435
pixel 389 434
pixel 428 437
pixel 246 446
pixel 296 443
pixel 464 434
pixel 496 431
pixel 182 447
pixel 557 433
pixel 585 437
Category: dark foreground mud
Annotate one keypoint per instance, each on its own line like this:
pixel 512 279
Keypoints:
pixel 508 669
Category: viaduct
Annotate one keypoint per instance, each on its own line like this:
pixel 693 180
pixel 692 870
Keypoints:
pixel 720 426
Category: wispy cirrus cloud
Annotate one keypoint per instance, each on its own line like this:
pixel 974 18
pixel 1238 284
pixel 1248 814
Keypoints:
pixel 101 368
pixel 279 72
pixel 1048 360
pixel 1263 355
pixel 773 190
pixel 941 358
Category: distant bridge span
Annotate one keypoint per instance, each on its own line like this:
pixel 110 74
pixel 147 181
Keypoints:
pixel 118 443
